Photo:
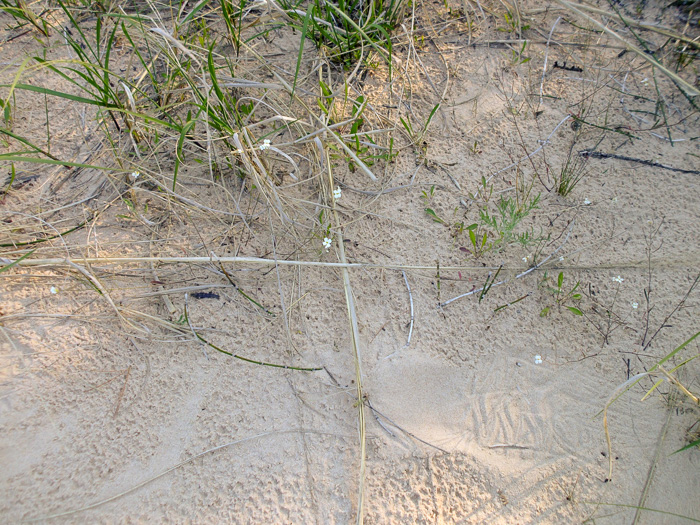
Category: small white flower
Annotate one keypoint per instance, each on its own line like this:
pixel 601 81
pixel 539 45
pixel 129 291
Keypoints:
pixel 265 145
pixel 525 260
pixel 327 241
pixel 635 305
pixel 614 199
pixel 538 359
pixel 337 193
pixel 561 258
pixel 617 279
pixel 587 202
pixel 53 290
pixel 645 81
pixel 134 175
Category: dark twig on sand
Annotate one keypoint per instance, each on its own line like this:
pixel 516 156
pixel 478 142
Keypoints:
pixel 599 155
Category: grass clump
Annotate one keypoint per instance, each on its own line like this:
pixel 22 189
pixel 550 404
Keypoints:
pixel 343 29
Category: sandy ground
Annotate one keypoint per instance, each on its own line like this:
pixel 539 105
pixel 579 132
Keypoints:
pixel 463 425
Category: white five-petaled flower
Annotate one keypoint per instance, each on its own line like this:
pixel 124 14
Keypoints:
pixel 586 201
pixel 53 290
pixel 525 260
pixel 635 305
pixel 134 175
pixel 327 241
pixel 617 279
pixel 538 359
pixel 265 145
pixel 337 193
pixel 561 258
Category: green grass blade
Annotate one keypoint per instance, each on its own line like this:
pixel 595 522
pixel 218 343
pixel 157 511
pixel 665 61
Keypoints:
pixel 61 94
pixel 14 157
pixel 26 143
pixel 196 9
pixel 304 30
pixel 8 266
pixel 695 443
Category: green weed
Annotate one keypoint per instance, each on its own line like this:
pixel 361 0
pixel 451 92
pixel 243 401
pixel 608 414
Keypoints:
pixel 562 297
pixel 506 219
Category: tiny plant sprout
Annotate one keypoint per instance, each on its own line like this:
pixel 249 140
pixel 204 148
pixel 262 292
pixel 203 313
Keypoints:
pixel 337 193
pixel 538 359
pixel 327 241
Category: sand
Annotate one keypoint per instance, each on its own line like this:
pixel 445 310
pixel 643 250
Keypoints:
pixel 487 415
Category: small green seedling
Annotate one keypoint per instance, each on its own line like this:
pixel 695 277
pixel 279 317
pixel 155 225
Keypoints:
pixel 561 296
pixel 518 57
pixel 427 196
pixel 479 243
pixel 417 136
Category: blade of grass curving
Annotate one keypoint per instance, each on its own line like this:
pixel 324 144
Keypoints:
pixel 196 9
pixel 75 98
pixel 230 280
pixel 247 360
pixel 17 157
pixel 8 266
pixel 61 94
pixel 27 143
pixel 45 239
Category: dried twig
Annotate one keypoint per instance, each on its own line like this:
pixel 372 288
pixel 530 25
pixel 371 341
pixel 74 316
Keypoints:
pixel 599 155
pixel 410 298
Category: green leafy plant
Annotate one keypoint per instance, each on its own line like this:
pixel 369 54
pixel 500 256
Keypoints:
pixel 513 22
pixel 562 296
pixel 504 223
pixel 479 241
